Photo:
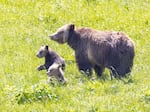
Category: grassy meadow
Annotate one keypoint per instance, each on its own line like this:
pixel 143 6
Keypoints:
pixel 26 24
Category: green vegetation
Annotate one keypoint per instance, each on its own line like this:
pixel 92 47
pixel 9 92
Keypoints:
pixel 25 26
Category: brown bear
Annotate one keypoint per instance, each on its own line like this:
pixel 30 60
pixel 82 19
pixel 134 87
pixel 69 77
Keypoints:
pixel 50 58
pixel 55 70
pixel 54 64
pixel 98 49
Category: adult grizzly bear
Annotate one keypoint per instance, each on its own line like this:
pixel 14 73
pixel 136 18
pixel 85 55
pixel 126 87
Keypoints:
pixel 98 49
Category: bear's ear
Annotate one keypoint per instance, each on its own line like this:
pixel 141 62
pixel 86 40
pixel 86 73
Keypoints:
pixel 71 27
pixel 46 47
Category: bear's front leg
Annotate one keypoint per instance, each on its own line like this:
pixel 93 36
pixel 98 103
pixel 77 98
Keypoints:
pixel 98 70
pixel 83 64
pixel 84 68
pixel 41 67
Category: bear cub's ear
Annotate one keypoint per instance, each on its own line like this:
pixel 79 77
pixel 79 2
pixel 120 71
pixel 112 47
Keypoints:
pixel 71 27
pixel 46 47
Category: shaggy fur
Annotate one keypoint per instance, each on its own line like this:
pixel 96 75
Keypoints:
pixel 98 49
pixel 50 58
pixel 54 64
pixel 55 70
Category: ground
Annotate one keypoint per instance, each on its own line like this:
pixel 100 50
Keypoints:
pixel 25 25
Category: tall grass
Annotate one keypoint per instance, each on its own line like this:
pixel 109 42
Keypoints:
pixel 25 26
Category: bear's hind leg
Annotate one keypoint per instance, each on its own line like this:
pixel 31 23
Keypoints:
pixel 121 71
pixel 124 71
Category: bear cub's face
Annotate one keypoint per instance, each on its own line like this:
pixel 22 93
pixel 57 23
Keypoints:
pixel 62 34
pixel 42 51
pixel 56 71
pixel 53 70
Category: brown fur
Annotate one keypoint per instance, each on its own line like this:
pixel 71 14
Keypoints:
pixel 50 56
pixel 54 64
pixel 56 71
pixel 98 49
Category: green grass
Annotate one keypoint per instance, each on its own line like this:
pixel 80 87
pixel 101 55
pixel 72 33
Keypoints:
pixel 25 26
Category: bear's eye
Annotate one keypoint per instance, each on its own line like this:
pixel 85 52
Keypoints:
pixel 50 70
pixel 40 52
pixel 61 32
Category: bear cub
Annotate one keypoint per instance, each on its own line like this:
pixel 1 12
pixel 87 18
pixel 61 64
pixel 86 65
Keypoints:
pixel 54 64
pixel 55 70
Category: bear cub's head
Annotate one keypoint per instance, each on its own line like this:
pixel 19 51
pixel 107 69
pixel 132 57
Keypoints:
pixel 56 71
pixel 42 51
pixel 62 34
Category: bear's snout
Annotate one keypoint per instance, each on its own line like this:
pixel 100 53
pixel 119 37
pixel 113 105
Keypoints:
pixel 37 55
pixel 47 72
pixel 52 36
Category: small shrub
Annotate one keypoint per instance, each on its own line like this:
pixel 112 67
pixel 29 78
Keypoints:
pixel 147 97
pixel 42 94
